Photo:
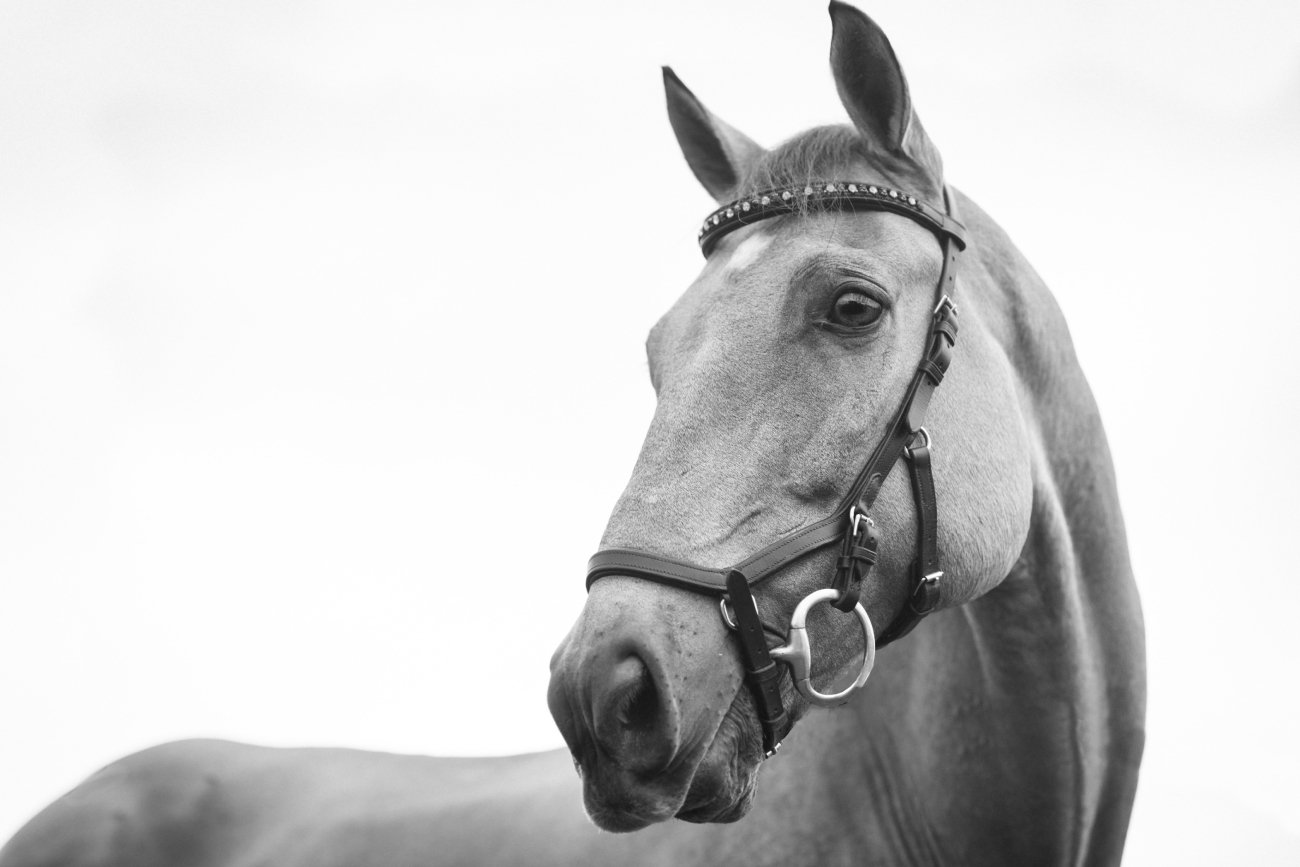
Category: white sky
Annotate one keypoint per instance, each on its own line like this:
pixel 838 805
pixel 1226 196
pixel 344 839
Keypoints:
pixel 311 312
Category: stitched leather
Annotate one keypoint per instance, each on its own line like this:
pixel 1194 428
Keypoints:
pixel 925 585
pixel 854 564
pixel 761 673
pixel 639 564
pixel 786 551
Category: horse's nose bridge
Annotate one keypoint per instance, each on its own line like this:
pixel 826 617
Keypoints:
pixel 689 493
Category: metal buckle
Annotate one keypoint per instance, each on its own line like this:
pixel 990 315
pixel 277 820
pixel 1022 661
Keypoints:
pixel 925 444
pixel 856 520
pixel 726 614
pixel 926 594
pixel 942 301
pixel 797 651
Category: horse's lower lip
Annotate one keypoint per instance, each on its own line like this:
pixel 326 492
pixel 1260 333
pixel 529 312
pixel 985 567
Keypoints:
pixel 633 810
pixel 624 818
pixel 617 821
pixel 619 800
pixel 730 811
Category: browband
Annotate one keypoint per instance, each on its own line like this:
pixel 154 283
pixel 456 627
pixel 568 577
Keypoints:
pixel 828 196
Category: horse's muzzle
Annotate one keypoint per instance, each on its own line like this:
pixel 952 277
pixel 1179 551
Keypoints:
pixel 638 693
pixel 610 699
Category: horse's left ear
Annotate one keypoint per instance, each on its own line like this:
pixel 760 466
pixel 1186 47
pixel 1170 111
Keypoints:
pixel 717 152
pixel 872 87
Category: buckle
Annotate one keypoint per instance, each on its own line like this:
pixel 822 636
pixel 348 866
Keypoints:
pixel 727 617
pixel 911 446
pixel 925 598
pixel 945 306
pixel 857 519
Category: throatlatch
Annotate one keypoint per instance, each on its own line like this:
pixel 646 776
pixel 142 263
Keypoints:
pixel 850 524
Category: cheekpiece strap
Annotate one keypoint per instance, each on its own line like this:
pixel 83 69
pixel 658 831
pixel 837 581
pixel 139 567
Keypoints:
pixel 828 196
pixel 761 672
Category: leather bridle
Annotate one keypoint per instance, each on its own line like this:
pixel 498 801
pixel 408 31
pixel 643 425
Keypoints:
pixel 849 524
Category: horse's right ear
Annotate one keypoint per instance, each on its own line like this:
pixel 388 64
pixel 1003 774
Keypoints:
pixel 717 153
pixel 874 91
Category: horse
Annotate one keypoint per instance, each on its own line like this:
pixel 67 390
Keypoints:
pixel 1002 725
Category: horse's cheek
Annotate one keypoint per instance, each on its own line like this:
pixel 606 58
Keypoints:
pixel 983 476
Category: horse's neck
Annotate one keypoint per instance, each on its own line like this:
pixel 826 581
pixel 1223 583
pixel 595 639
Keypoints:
pixel 1043 673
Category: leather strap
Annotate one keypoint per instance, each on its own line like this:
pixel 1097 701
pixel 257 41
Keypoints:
pixel 761 672
pixel 925 569
pixel 861 542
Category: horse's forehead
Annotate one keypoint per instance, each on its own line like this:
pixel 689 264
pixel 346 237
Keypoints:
pixel 747 251
pixel 755 263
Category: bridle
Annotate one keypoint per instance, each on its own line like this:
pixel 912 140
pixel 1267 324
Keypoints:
pixel 849 524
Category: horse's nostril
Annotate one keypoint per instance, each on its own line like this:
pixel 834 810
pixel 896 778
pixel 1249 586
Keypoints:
pixel 632 718
pixel 641 707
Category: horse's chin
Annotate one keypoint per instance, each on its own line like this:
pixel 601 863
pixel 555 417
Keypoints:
pixel 622 820
pixel 723 808
pixel 721 789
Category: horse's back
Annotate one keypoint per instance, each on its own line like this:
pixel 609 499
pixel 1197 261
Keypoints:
pixel 142 810
pixel 221 804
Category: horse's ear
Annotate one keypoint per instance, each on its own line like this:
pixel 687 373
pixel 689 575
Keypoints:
pixel 717 153
pixel 874 91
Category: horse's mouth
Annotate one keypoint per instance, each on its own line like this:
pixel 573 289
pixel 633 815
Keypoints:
pixel 718 788
pixel 723 787
pixel 622 818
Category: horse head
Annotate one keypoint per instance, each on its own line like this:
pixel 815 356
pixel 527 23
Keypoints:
pixel 776 373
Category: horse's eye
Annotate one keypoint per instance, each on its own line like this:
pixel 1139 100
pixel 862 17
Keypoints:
pixel 855 309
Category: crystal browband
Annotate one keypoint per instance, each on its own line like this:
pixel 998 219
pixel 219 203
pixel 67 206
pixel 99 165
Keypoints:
pixel 827 195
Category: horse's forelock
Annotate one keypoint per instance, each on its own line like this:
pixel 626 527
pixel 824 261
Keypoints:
pixel 832 153
pixel 821 153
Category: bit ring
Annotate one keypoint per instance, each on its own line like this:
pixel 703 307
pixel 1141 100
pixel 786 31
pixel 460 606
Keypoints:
pixel 797 651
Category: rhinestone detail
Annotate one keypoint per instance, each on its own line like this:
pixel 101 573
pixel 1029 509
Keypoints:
pixel 781 201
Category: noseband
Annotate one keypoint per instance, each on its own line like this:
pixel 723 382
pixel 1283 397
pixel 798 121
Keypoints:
pixel 850 525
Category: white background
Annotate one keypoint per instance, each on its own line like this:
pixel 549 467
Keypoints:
pixel 321 350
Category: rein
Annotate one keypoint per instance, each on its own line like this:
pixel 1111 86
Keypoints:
pixel 850 524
